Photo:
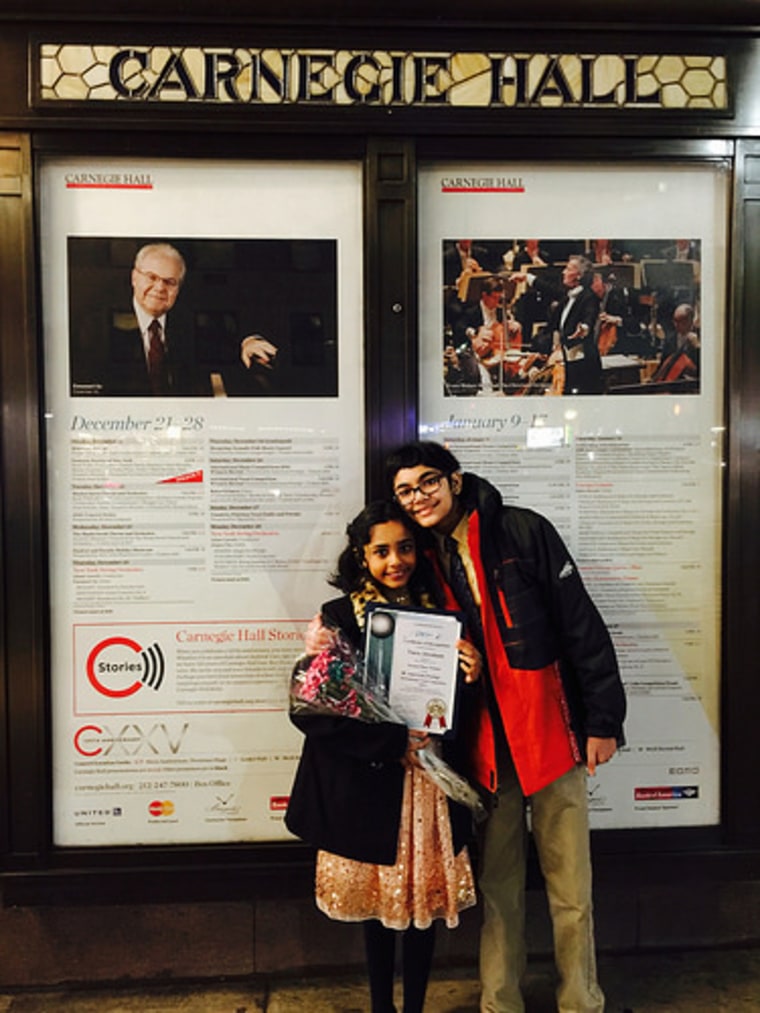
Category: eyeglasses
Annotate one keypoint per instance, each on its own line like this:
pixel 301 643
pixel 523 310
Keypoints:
pixel 155 278
pixel 428 484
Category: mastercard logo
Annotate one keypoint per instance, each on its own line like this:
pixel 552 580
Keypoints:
pixel 159 808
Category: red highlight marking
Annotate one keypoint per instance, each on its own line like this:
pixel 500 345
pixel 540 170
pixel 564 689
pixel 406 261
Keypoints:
pixel 482 189
pixel 191 476
pixel 109 186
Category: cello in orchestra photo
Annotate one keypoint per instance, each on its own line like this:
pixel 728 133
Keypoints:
pixel 681 349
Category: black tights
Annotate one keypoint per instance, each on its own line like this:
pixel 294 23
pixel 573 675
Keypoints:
pixel 417 955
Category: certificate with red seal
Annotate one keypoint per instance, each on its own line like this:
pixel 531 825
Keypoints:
pixel 411 658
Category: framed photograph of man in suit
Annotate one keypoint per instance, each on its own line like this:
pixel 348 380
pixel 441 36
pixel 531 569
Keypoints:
pixel 190 317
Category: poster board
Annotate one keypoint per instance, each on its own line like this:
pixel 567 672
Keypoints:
pixel 631 474
pixel 191 531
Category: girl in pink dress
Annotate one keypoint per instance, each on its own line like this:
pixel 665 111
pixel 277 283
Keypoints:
pixel 391 846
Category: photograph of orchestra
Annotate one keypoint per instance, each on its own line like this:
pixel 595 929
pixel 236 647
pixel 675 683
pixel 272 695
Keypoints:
pixel 571 316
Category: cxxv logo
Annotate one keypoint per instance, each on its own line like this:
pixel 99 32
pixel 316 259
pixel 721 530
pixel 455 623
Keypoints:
pixel 130 740
pixel 111 663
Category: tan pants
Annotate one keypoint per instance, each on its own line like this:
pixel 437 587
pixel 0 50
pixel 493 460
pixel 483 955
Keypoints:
pixel 559 823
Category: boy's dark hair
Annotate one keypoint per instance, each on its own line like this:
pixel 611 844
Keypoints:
pixel 426 452
pixel 350 572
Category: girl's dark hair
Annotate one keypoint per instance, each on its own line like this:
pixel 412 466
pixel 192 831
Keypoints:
pixel 350 572
pixel 426 452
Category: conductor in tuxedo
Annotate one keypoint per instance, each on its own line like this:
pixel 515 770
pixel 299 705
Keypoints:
pixel 568 336
pixel 151 345
pixel 572 324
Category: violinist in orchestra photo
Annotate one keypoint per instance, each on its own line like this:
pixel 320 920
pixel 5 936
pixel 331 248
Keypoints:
pixel 482 334
pixel 484 323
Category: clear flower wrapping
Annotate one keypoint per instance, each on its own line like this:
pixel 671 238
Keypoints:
pixel 333 683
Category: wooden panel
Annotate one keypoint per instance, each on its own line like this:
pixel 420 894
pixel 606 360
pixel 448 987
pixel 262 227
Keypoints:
pixel 24 794
pixel 11 167
pixel 742 557
pixel 391 316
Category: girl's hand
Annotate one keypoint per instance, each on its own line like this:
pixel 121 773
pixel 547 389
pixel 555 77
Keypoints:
pixel 417 741
pixel 318 637
pixel 470 660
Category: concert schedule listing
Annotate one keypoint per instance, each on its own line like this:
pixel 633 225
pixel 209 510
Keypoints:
pixel 633 483
pixel 192 534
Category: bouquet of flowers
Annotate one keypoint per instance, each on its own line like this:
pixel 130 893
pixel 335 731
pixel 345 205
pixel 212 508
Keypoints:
pixel 334 682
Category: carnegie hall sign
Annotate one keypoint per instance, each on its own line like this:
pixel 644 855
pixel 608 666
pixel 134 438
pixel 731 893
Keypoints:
pixel 70 73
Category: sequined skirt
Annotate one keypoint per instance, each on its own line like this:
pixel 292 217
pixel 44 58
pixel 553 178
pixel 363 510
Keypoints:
pixel 428 880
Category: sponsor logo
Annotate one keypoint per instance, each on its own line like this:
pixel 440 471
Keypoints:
pixel 160 808
pixel 119 667
pixel 91 813
pixel 224 806
pixel 598 802
pixel 279 803
pixel 673 791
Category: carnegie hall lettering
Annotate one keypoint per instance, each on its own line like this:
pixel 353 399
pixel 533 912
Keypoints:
pixel 192 74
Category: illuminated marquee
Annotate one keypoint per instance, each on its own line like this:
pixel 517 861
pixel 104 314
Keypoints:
pixel 238 76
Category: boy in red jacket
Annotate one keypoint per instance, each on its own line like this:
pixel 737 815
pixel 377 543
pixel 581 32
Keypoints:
pixel 551 710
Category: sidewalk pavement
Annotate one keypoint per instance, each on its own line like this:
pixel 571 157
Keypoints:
pixel 696 981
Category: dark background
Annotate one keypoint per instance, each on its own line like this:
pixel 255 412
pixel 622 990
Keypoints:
pixel 282 289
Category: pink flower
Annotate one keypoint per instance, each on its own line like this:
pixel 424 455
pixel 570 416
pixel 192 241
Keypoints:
pixel 312 684
pixel 349 705
pixel 328 684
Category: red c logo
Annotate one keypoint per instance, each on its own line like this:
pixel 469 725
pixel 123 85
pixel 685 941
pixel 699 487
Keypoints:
pixel 78 740
pixel 92 657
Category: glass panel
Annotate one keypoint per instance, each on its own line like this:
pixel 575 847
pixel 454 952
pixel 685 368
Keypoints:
pixel 196 503
pixel 608 420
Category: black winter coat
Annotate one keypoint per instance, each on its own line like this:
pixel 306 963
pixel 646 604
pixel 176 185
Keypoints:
pixel 348 789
